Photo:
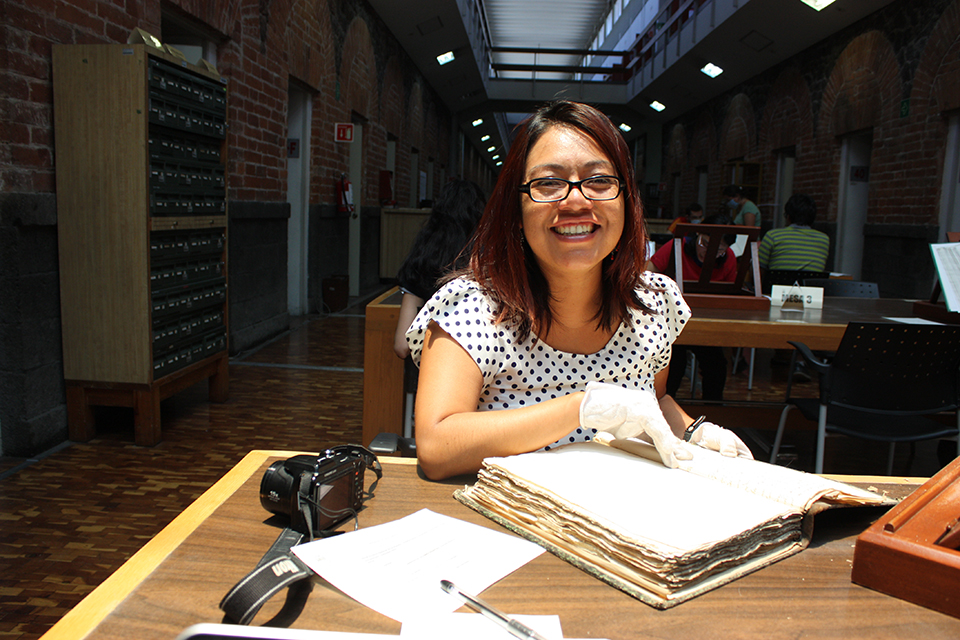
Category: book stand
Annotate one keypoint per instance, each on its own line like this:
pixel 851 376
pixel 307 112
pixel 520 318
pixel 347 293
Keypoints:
pixel 935 309
pixel 704 293
pixel 912 552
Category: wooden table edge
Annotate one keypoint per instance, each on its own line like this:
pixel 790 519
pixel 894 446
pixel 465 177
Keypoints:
pixel 99 603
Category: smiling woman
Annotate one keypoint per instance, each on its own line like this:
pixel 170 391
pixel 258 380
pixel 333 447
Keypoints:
pixel 554 333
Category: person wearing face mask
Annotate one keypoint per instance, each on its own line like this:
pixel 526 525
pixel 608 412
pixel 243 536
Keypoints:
pixel 693 215
pixel 554 333
pixel 744 211
pixel 712 360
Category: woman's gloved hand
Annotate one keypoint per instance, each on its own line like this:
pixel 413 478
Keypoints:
pixel 630 413
pixel 711 436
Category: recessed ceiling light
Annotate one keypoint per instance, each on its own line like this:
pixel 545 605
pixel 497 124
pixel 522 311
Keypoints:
pixel 817 4
pixel 711 70
pixel 496 157
pixel 656 106
pixel 478 122
pixel 485 138
pixel 499 163
pixel 491 148
pixel 625 127
pixel 444 58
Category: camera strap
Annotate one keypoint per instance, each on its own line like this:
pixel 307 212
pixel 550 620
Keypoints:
pixel 278 569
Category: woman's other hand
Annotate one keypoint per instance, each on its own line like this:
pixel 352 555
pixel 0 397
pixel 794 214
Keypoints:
pixel 630 413
pixel 714 437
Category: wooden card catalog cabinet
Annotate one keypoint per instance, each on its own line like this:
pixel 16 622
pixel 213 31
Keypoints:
pixel 142 226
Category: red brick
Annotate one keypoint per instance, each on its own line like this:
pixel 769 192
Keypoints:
pixel 81 13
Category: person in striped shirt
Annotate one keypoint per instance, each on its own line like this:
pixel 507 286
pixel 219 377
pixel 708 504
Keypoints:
pixel 796 247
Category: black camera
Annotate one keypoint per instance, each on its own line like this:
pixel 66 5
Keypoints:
pixel 318 493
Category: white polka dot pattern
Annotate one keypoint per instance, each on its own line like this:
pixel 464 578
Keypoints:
pixel 517 374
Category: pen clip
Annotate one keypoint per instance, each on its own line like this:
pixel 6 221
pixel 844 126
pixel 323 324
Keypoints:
pixel 688 432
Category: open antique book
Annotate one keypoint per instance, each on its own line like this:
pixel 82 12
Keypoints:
pixel 662 535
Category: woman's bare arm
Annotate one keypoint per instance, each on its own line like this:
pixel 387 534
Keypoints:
pixel 676 417
pixel 453 437
pixel 409 306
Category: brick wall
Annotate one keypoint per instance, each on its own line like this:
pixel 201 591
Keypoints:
pixel 855 81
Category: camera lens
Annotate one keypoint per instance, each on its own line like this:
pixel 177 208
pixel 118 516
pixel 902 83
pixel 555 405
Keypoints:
pixel 276 487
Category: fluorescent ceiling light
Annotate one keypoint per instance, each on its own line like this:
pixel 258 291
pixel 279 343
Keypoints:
pixel 478 122
pixel 444 58
pixel 485 138
pixel 656 106
pixel 625 127
pixel 817 4
pixel 491 148
pixel 496 157
pixel 711 70
pixel 499 163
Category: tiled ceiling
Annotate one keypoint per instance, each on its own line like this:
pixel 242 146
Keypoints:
pixel 542 24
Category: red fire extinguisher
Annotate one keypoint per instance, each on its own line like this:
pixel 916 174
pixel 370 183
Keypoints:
pixel 344 195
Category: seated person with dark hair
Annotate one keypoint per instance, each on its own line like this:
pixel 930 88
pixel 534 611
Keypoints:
pixel 796 247
pixel 712 361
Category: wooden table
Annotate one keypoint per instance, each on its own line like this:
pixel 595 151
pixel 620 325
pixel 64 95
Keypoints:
pixel 820 329
pixel 178 578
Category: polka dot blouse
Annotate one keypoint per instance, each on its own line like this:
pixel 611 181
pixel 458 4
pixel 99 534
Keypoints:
pixel 517 374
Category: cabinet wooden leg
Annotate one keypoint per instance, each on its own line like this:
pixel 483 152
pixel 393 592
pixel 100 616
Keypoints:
pixel 146 417
pixel 219 382
pixel 79 415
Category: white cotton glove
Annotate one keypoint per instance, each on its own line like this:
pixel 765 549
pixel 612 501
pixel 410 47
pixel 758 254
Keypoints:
pixel 630 413
pixel 716 438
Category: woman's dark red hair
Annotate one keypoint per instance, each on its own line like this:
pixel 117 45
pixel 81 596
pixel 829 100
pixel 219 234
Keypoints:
pixel 503 264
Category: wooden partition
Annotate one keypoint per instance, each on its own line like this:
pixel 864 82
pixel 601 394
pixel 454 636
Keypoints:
pixel 398 228
pixel 382 369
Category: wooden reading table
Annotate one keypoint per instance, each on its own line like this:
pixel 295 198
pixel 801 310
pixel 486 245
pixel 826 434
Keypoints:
pixel 178 578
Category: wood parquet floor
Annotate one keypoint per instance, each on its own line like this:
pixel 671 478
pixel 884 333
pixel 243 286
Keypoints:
pixel 70 518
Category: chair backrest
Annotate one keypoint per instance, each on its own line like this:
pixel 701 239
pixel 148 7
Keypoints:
pixel 895 367
pixel 716 233
pixel 844 288
pixel 787 277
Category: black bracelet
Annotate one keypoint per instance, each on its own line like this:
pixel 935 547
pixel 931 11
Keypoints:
pixel 688 432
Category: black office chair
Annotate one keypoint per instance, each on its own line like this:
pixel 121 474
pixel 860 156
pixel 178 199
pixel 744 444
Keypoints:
pixel 839 289
pixel 883 382
pixel 844 288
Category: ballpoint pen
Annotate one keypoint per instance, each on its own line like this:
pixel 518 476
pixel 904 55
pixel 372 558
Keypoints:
pixel 515 627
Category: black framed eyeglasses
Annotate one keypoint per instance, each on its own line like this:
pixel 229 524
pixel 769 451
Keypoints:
pixel 557 189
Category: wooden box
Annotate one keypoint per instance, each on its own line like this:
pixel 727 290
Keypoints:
pixel 911 553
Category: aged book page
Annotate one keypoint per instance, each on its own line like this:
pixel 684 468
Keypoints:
pixel 663 535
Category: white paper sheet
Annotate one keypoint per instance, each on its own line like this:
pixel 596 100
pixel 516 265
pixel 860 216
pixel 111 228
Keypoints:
pixel 912 320
pixel 473 626
pixel 396 568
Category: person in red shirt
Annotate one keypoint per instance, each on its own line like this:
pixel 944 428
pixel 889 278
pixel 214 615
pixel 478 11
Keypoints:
pixel 712 360
pixel 694 251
